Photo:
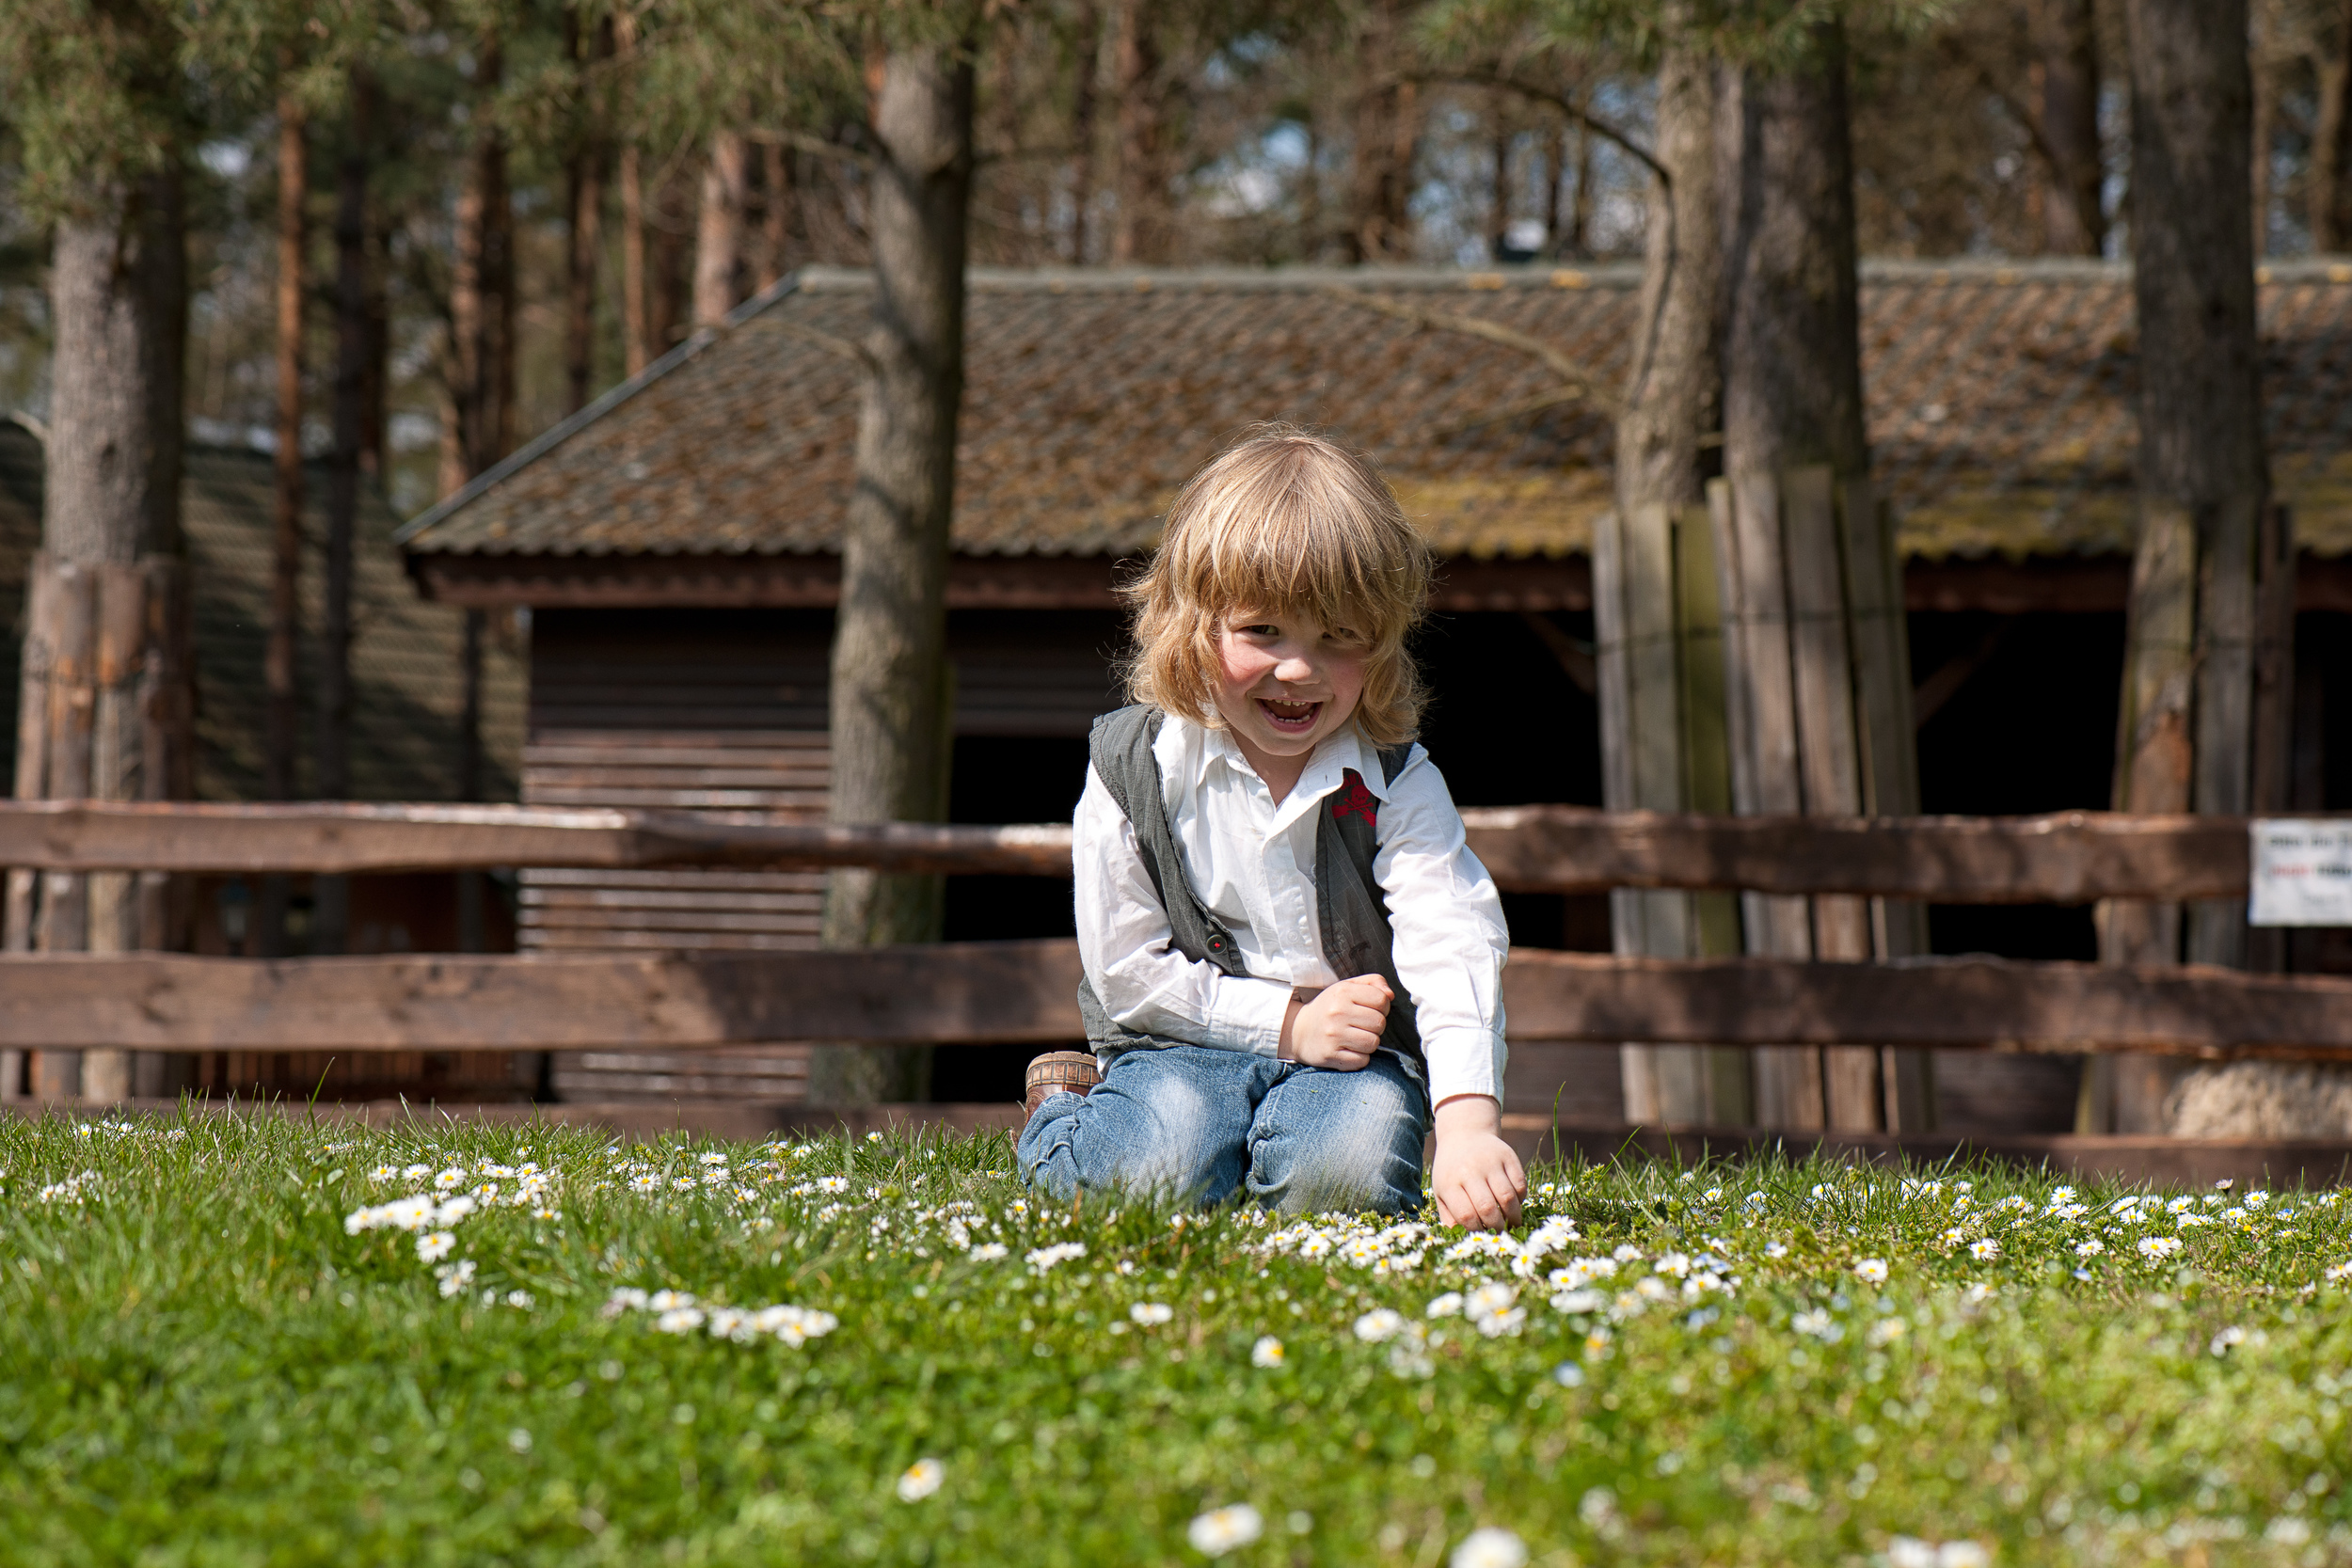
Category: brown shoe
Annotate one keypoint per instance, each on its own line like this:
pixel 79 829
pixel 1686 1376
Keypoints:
pixel 1057 1072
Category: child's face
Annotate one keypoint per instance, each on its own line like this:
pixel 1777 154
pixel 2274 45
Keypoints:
pixel 1284 682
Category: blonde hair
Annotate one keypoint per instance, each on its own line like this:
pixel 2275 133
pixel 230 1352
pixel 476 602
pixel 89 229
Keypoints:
pixel 1283 522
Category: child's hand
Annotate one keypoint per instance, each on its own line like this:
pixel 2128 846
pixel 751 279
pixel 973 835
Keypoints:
pixel 1477 1179
pixel 1340 1028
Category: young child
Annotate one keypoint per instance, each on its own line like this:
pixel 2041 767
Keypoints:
pixel 1292 958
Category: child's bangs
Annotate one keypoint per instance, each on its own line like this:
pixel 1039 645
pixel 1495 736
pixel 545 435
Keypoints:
pixel 1298 547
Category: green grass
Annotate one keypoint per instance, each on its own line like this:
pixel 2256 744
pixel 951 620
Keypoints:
pixel 202 1366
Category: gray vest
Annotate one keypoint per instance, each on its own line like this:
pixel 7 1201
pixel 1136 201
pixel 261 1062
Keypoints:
pixel 1354 915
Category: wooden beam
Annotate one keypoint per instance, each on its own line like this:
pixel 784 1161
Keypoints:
pixel 964 991
pixel 1954 1004
pixel 1024 992
pixel 484 581
pixel 2070 857
pixel 337 837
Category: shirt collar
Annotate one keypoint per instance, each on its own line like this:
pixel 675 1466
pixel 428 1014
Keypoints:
pixel 1186 751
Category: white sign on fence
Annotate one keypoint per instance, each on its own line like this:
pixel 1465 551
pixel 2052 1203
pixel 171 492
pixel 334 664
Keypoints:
pixel 2302 871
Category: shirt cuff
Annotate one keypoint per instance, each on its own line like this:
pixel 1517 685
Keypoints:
pixel 1464 1061
pixel 1247 1013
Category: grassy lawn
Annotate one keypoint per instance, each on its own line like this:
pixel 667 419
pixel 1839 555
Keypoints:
pixel 223 1343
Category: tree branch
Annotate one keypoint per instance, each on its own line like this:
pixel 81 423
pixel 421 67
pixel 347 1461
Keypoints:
pixel 1535 405
pixel 802 141
pixel 1577 386
pixel 2032 124
pixel 1541 94
pixel 832 343
pixel 1022 154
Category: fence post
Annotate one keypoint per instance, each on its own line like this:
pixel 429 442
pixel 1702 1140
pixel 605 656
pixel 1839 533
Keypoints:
pixel 1817 668
pixel 1726 1079
pixel 1881 629
pixel 2152 758
pixel 1760 673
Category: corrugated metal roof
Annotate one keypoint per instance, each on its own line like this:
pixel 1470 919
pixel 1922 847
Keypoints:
pixel 404 657
pixel 2000 405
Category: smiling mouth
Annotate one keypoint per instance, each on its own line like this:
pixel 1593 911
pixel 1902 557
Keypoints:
pixel 1290 718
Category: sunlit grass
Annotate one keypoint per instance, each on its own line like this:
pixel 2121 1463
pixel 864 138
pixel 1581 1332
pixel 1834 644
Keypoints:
pixel 1768 1363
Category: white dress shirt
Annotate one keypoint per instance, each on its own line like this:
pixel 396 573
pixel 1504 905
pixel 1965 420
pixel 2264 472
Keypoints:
pixel 1252 861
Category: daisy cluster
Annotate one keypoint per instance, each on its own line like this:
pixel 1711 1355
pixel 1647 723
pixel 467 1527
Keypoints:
pixel 1403 1248
pixel 2147 1227
pixel 680 1312
pixel 73 1189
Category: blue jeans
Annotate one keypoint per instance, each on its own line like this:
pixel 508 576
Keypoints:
pixel 1190 1123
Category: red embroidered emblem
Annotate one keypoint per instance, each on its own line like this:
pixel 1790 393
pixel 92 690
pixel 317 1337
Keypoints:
pixel 1354 800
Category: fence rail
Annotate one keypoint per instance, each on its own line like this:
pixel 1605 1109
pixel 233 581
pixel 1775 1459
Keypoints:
pixel 1023 991
pixel 979 992
pixel 2070 858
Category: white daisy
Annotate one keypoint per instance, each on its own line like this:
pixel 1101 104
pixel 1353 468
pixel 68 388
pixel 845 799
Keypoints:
pixel 1224 1529
pixel 1489 1548
pixel 920 1480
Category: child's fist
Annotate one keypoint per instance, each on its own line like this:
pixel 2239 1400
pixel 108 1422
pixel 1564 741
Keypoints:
pixel 1340 1028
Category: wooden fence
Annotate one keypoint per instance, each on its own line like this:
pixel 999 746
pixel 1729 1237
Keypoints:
pixel 1023 991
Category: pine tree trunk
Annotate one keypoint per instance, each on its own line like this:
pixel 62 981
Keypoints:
pixel 1819 701
pixel 282 728
pixel 482 317
pixel 891 699
pixel 330 915
pixel 1499 205
pixel 586 202
pixel 1581 200
pixel 2263 71
pixel 584 180
pixel 584 174
pixel 1386 133
pixel 637 350
pixel 1139 234
pixel 2188 734
pixel 775 213
pixel 669 301
pixel 106 708
pixel 1555 175
pixel 1082 132
pixel 2329 201
pixel 1662 741
pixel 482 288
pixel 2066 68
pixel 718 227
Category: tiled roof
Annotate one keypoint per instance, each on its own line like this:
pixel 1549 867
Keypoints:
pixel 2000 405
pixel 404 655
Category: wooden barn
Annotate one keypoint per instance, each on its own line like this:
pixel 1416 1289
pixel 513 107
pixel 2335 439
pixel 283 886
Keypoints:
pixel 675 548
pixel 407 707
